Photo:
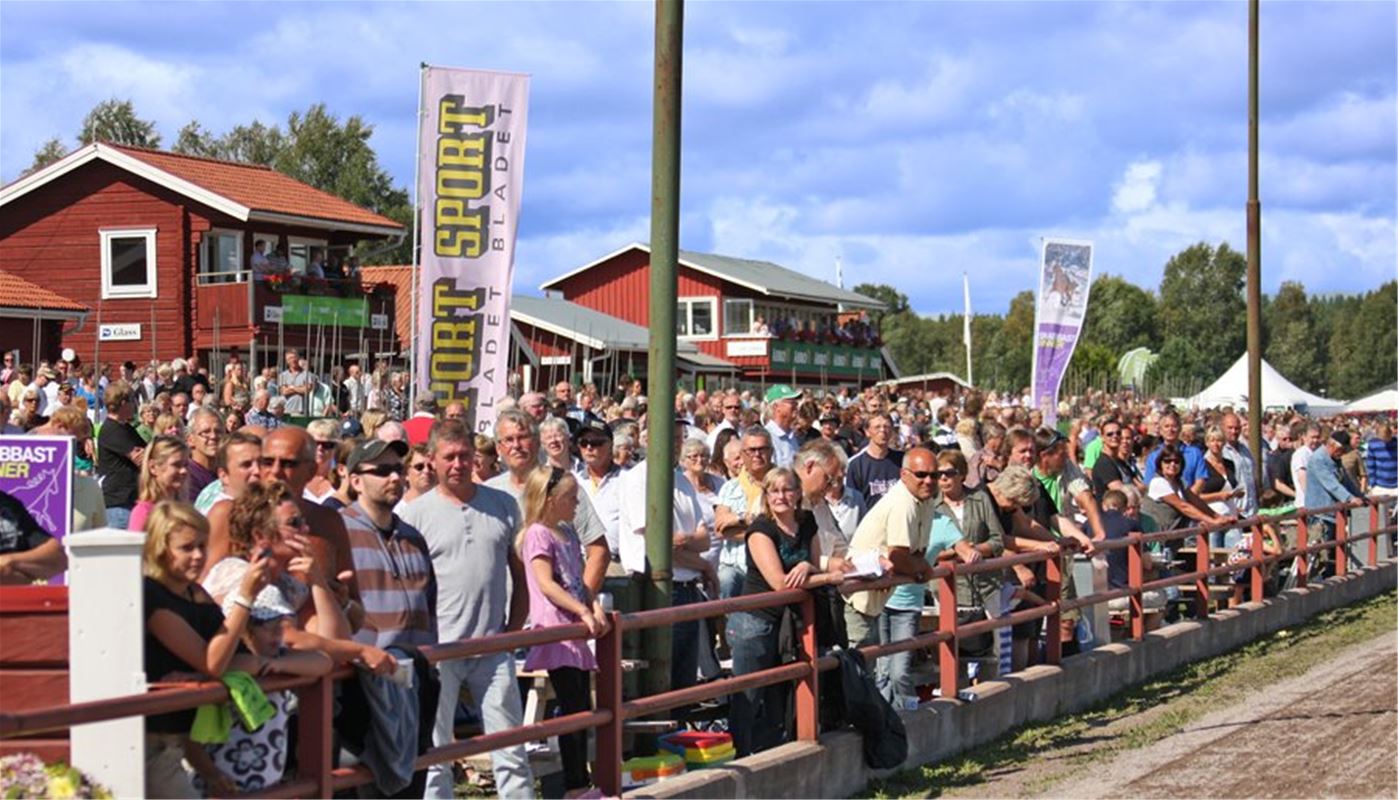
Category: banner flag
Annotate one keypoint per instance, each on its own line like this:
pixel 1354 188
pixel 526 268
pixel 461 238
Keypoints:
pixel 1065 277
pixel 470 176
pixel 966 325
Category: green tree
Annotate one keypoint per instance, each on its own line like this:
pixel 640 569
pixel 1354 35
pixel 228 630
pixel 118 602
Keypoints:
pixel 1202 315
pixel 252 144
pixel 1121 316
pixel 1010 354
pixel 1293 347
pixel 49 152
pixel 1364 347
pixel 895 302
pixel 196 140
pixel 115 121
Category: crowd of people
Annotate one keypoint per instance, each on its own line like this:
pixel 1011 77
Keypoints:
pixel 377 528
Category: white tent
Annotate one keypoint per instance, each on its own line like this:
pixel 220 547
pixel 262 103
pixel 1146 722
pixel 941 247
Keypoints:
pixel 1378 402
pixel 1231 389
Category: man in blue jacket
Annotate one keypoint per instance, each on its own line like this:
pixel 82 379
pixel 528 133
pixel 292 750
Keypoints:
pixel 1327 483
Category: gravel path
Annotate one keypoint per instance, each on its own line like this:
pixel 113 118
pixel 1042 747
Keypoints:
pixel 1332 732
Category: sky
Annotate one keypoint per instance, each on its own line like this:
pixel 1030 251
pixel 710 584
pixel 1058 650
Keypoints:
pixel 910 141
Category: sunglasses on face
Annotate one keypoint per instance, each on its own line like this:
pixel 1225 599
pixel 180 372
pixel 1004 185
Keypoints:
pixel 419 467
pixel 757 451
pixel 384 470
pixel 1110 434
pixel 297 521
pixel 324 444
pixel 924 474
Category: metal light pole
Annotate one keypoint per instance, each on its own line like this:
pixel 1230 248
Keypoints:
pixel 664 262
pixel 1254 263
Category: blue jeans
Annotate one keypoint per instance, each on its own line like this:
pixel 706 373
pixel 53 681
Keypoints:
pixel 895 672
pixel 757 717
pixel 118 518
pixel 730 581
pixel 495 693
pixel 684 639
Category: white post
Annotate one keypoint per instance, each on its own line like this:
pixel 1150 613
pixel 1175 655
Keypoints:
pixel 106 649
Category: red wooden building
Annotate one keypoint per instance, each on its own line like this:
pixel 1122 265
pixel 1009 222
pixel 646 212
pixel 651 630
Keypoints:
pixel 726 304
pixel 159 245
pixel 32 319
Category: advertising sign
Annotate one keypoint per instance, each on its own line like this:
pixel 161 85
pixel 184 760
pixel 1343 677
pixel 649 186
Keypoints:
pixel 1065 276
pixel 38 471
pixel 471 174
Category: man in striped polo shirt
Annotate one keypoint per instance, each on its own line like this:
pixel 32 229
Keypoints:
pixel 396 583
pixel 391 559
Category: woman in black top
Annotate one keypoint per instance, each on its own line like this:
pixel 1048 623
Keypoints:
pixel 1116 466
pixel 783 552
pixel 186 632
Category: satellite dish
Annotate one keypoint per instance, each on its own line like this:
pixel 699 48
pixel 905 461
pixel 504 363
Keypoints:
pixel 69 354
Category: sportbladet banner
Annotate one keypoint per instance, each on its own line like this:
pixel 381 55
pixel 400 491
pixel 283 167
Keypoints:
pixel 470 175
pixel 1065 277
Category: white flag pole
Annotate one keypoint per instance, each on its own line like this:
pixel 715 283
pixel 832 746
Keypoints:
pixel 966 325
pixel 417 222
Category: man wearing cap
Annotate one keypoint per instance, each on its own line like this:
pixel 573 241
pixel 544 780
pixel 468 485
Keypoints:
pixel 600 477
pixel 1327 483
pixel 470 531
pixel 781 423
pixel 830 432
pixel 424 414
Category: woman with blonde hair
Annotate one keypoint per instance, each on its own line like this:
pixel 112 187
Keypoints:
pixel 167 424
pixel 235 382
pixel 186 631
pixel 325 433
pixel 553 556
pixel 164 476
pixel 783 552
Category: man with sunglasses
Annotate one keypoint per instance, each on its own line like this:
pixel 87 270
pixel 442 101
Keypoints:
pixel 599 477
pixel 737 505
pixel 897 529
pixel 393 564
pixel 731 406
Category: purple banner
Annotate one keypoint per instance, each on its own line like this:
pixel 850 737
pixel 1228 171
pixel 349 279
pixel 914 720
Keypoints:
pixel 38 471
pixel 1065 277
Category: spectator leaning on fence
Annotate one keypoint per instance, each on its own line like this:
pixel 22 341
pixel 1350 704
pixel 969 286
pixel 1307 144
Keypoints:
pixel 1327 484
pixel 553 561
pixel 783 552
pixel 737 504
pixel 470 530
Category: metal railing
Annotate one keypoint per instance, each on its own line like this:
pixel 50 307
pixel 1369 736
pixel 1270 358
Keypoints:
pixel 316 777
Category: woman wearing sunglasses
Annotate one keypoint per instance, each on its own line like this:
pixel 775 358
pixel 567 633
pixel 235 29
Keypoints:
pixel 1168 487
pixel 265 522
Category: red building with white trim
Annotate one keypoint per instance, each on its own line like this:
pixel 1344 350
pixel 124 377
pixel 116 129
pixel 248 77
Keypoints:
pixel 158 246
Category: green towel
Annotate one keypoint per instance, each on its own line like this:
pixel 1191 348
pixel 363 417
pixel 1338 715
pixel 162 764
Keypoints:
pixel 213 721
pixel 252 706
pixel 211 724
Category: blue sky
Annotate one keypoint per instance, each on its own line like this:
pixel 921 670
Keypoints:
pixel 913 141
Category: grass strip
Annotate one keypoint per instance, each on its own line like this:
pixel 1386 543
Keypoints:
pixel 1187 693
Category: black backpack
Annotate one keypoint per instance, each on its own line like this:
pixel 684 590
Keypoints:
pixel 885 738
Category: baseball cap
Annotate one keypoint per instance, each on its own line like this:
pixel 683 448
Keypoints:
pixel 270 604
pixel 781 391
pixel 594 429
pixel 351 427
pixel 372 449
pixel 833 419
pixel 1341 438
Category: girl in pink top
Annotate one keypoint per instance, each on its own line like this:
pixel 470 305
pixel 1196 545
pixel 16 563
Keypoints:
pixel 553 555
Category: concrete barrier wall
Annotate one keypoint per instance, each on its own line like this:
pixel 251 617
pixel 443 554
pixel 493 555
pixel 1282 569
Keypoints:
pixel 834 766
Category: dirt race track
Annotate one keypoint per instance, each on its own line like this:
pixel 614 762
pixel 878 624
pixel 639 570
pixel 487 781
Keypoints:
pixel 1332 732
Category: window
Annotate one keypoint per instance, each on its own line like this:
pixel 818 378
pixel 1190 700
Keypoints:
pixel 737 317
pixel 221 257
pixel 694 317
pixel 300 252
pixel 128 263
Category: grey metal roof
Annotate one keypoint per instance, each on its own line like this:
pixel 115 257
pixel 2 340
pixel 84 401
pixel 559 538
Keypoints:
pixel 760 276
pixel 706 362
pixel 773 279
pixel 586 325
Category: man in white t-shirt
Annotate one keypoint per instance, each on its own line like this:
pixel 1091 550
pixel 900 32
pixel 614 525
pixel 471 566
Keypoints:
pixel 1308 442
pixel 690 540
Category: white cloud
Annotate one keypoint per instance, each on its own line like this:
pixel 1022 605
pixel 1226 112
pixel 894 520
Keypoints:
pixel 1136 190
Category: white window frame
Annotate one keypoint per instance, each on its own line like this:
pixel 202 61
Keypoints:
pixel 684 309
pixel 300 241
pixel 240 272
pixel 146 290
pixel 752 317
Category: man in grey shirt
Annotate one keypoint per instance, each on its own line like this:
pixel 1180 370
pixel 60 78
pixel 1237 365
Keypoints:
pixel 294 384
pixel 517 442
pixel 470 532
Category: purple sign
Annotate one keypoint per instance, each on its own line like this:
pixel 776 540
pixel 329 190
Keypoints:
pixel 38 471
pixel 1064 281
